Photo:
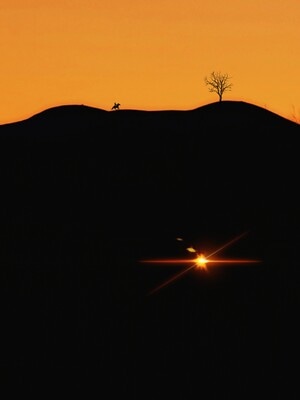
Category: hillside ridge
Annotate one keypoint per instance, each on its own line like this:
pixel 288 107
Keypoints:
pixel 82 112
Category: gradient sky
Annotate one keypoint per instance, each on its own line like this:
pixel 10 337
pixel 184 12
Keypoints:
pixel 147 55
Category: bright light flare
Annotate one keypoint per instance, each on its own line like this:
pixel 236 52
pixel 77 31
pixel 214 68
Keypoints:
pixel 200 262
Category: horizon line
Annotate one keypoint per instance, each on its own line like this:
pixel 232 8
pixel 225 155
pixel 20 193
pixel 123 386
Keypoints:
pixel 146 110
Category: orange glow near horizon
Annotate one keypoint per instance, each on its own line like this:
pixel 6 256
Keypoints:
pixel 147 55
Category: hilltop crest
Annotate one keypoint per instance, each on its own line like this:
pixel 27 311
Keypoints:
pixel 231 116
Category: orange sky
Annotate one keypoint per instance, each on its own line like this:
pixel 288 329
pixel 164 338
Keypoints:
pixel 147 55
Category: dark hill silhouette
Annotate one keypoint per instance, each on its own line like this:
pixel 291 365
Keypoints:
pixel 221 146
pixel 87 193
pixel 214 114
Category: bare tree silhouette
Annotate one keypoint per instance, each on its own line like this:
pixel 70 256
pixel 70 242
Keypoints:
pixel 218 83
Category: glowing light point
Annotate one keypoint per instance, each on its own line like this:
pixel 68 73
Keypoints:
pixel 201 262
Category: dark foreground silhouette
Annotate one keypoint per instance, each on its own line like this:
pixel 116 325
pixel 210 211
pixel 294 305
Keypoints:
pixel 116 106
pixel 86 194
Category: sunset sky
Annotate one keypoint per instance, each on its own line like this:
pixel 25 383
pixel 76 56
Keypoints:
pixel 147 55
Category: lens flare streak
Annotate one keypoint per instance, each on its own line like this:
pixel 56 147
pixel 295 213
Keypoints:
pixel 199 263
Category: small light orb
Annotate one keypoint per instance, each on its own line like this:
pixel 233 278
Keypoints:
pixel 201 262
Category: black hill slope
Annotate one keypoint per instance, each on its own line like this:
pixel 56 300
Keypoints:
pixel 234 114
pixel 73 156
pixel 86 193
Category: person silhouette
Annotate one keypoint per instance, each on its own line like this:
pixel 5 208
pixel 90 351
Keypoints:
pixel 116 106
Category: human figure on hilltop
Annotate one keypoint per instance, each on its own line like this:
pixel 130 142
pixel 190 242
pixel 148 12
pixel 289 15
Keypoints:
pixel 116 106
